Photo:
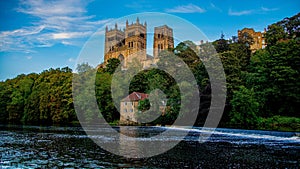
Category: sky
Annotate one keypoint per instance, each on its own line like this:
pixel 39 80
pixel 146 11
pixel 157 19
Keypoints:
pixel 36 35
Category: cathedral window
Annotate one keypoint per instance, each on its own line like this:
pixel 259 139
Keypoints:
pixel 130 34
pixel 118 38
pixel 110 38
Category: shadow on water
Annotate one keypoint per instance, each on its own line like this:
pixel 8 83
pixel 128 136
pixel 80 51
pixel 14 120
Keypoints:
pixel 70 147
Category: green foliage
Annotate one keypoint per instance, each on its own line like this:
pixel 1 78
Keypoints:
pixel 273 73
pixel 144 105
pixel 288 28
pixel 83 67
pixel 146 114
pixel 187 52
pixel 221 45
pixel 84 86
pixel 281 123
pixel 274 34
pixel 39 99
pixel 277 66
pixel 262 87
pixel 5 99
pixel 245 108
pixel 103 95
pixel 112 65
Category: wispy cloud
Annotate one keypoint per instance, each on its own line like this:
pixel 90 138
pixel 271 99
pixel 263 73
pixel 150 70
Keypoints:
pixel 239 13
pixel 56 22
pixel 70 35
pixel 140 5
pixel 190 8
pixel 213 6
pixel 20 39
pixel 261 10
pixel 269 9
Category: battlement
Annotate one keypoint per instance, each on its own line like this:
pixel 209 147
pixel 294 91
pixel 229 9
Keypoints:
pixel 131 42
pixel 128 26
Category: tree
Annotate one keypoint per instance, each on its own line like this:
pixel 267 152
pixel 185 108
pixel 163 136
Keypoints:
pixel 245 108
pixel 221 44
pixel 141 114
pixel 112 65
pixel 20 90
pixel 277 66
pixel 104 98
pixel 50 101
pixel 5 99
pixel 291 26
pixel 274 34
pixel 187 52
pixel 139 82
pixel 243 53
pixel 83 67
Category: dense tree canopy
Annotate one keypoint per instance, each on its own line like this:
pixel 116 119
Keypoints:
pixel 262 87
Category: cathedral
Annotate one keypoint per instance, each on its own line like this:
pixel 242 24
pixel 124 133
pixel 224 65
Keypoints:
pixel 131 43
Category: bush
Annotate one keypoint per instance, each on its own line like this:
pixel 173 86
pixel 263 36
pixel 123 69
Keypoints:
pixel 280 123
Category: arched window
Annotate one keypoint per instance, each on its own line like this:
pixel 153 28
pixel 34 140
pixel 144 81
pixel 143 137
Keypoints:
pixel 121 58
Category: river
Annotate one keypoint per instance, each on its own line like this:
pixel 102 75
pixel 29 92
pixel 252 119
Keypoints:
pixel 70 147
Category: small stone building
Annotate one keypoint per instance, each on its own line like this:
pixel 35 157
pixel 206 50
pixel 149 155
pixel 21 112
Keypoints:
pixel 129 107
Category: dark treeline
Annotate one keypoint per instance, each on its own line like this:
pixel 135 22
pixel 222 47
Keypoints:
pixel 262 87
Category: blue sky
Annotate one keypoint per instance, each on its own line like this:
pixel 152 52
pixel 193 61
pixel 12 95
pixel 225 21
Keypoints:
pixel 36 35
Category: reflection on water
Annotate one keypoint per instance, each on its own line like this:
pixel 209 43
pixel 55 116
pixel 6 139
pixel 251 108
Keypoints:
pixel 125 143
pixel 69 147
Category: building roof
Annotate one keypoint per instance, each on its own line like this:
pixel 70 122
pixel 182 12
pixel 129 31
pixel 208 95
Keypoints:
pixel 163 26
pixel 135 96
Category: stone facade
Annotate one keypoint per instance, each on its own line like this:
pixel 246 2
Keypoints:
pixel 258 38
pixel 131 43
pixel 163 39
pixel 129 107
